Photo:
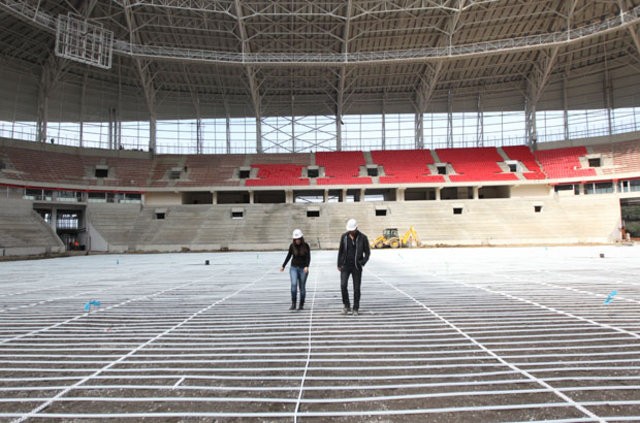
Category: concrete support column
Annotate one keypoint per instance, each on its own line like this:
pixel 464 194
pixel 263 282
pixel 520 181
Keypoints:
pixel 400 194
pixel 438 198
pixel 476 193
pixel 54 219
pixel 251 197
pixel 214 197
pixel 288 196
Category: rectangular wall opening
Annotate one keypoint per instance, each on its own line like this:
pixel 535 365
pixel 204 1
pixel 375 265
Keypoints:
pixel 372 171
pixel 594 162
pixel 308 196
pixel 313 172
pixel 269 197
pixel 244 173
pixel 101 171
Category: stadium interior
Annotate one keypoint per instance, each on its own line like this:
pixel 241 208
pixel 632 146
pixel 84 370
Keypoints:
pixel 97 95
pixel 158 156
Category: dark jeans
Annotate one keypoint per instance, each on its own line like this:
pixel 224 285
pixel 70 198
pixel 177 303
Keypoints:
pixel 356 275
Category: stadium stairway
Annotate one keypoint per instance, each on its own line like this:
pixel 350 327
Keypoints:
pixel 23 232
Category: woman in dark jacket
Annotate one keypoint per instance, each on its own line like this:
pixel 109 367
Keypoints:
pixel 299 269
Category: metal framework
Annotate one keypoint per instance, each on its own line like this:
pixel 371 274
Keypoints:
pixel 626 19
pixel 297 58
pixel 79 40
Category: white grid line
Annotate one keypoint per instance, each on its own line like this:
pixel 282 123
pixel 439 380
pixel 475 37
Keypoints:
pixel 497 357
pixel 36 410
pixel 309 348
pixel 250 358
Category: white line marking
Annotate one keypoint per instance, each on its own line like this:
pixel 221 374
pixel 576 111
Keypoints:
pixel 496 356
pixel 44 405
pixel 309 346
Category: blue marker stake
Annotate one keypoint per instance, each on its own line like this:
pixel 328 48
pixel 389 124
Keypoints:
pixel 609 299
pixel 88 305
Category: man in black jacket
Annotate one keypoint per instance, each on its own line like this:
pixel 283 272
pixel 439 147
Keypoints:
pixel 353 254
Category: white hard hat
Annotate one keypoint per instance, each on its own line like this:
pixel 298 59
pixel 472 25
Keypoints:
pixel 297 233
pixel 352 225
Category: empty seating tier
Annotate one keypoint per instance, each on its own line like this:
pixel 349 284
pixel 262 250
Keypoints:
pixel 523 154
pixel 302 159
pixel 563 162
pixel 47 166
pixel 475 164
pixel 278 174
pixel 405 166
pixel 623 157
pixel 31 164
pixel 211 169
pixel 341 168
pixel 28 164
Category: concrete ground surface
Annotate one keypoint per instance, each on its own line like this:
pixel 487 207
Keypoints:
pixel 443 335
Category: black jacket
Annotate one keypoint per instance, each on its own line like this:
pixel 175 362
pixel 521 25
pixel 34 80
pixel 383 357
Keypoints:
pixel 362 250
pixel 298 261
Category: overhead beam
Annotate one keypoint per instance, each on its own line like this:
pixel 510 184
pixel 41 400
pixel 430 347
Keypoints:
pixel 51 74
pixel 633 29
pixel 623 21
pixel 30 14
pixel 541 69
pixel 425 54
pixel 306 7
pixel 342 75
pixel 635 37
pixel 431 74
pixel 213 6
pixel 195 97
pixel 392 6
pixel 254 86
pixel 145 75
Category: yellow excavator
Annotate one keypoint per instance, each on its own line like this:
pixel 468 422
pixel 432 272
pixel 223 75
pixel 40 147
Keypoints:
pixel 390 239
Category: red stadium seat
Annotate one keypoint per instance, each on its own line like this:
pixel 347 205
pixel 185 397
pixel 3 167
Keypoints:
pixel 475 164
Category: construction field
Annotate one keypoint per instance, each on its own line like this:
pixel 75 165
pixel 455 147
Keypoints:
pixel 443 335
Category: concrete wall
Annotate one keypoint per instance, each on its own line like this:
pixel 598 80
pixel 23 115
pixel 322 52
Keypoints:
pixel 523 191
pixel 552 219
pixel 23 232
pixel 162 198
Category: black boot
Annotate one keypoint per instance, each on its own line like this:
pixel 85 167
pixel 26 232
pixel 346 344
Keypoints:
pixel 293 305
pixel 301 305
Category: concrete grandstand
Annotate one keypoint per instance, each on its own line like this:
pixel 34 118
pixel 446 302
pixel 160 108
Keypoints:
pixel 216 127
pixel 172 126
pixel 130 201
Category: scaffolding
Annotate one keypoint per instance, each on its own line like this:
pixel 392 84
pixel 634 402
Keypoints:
pixel 85 42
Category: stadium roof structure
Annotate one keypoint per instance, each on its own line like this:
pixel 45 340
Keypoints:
pixel 275 58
